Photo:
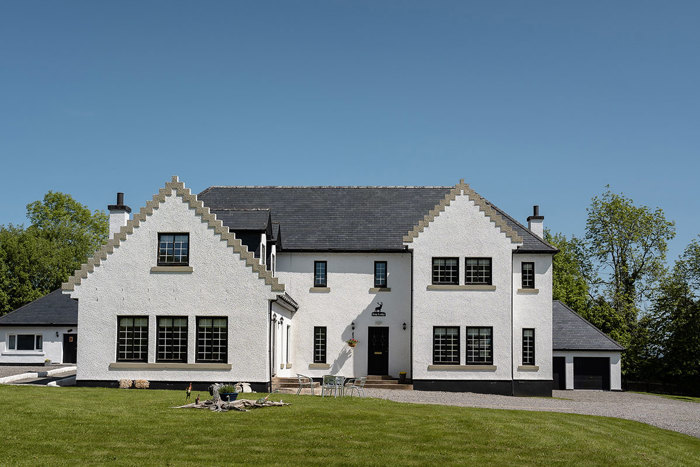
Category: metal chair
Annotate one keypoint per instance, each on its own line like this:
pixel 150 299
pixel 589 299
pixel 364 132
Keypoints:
pixel 305 382
pixel 357 384
pixel 333 385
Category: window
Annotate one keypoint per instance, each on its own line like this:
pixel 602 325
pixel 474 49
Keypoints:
pixel 446 345
pixel 263 254
pixel 319 344
pixel 477 271
pixel 528 276
pixel 528 346
pixel 286 352
pixel 380 274
pixel 479 346
pixel 173 249
pixel 212 340
pixel 445 271
pixel 132 340
pixel 25 342
pixel 172 339
pixel 273 266
pixel 320 268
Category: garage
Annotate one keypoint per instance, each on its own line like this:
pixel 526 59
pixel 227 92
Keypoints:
pixel 584 357
pixel 592 373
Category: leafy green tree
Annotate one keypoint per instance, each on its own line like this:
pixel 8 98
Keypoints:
pixel 35 260
pixel 674 321
pixel 628 244
pixel 571 272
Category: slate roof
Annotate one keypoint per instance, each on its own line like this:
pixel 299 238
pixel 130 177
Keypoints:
pixel 54 309
pixel 346 218
pixel 244 219
pixel 571 332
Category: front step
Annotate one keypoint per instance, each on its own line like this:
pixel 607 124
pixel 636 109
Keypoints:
pixel 287 384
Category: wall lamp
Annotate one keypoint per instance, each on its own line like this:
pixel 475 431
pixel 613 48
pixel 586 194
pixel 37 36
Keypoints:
pixel 404 326
pixel 353 325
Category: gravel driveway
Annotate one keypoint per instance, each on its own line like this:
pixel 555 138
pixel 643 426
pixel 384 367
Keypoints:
pixel 659 411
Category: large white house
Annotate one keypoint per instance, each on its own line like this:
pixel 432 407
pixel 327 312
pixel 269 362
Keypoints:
pixel 248 283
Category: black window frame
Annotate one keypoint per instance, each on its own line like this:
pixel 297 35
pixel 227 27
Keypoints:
pixel 131 339
pixel 457 354
pixel 325 274
pixel 377 284
pixel 529 282
pixel 478 349
pixel 320 353
pixel 530 362
pixel 171 340
pixel 467 268
pixel 436 273
pixel 172 263
pixel 198 338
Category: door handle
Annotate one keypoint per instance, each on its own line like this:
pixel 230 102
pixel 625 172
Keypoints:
pixel 377 353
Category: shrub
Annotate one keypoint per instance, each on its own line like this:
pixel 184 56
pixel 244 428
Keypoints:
pixel 227 389
pixel 124 383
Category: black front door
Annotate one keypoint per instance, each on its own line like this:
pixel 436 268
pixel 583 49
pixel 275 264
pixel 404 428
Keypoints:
pixel 378 351
pixel 559 373
pixel 70 348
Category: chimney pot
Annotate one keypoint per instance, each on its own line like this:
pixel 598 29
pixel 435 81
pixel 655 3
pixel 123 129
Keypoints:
pixel 120 199
pixel 536 210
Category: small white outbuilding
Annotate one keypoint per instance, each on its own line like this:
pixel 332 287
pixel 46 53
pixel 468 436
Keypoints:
pixel 45 329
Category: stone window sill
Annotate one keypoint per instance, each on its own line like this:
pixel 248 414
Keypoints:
pixel 379 289
pixel 462 367
pixel 23 353
pixel 169 366
pixel 319 366
pixel 461 287
pixel 529 291
pixel 179 269
pixel 320 289
pixel 528 368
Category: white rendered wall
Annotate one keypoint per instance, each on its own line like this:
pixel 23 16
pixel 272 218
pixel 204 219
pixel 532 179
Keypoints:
pixel 462 230
pixel 533 310
pixel 52 346
pixel 350 278
pixel 615 365
pixel 219 285
pixel 117 219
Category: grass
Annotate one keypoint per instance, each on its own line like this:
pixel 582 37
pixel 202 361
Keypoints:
pixel 671 396
pixel 109 426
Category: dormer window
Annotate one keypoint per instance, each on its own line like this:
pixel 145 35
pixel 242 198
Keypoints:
pixel 173 249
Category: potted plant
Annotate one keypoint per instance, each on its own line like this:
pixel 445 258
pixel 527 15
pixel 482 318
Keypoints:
pixel 228 393
pixel 352 342
pixel 402 377
pixel 47 362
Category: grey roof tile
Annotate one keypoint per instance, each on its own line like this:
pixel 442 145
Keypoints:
pixel 54 309
pixel 346 218
pixel 244 219
pixel 571 332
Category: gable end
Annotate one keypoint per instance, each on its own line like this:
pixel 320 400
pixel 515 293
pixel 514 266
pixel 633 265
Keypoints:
pixel 200 210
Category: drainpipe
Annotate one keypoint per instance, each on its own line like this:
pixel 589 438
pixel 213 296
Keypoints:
pixel 410 350
pixel 269 346
pixel 512 328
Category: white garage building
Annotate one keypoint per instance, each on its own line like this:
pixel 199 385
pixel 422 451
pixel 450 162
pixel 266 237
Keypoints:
pixel 584 357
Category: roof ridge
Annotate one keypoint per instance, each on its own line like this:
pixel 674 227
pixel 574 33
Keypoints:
pixel 239 209
pixel 571 310
pixel 204 214
pixel 328 187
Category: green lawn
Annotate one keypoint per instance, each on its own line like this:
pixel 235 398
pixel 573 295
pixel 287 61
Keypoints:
pixel 44 426
pixel 671 396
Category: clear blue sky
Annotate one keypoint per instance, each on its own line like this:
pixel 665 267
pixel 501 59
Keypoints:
pixel 530 102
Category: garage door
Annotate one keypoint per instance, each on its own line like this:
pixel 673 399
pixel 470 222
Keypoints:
pixel 559 373
pixel 592 373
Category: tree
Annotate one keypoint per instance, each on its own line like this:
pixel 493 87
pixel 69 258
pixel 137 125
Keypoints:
pixel 35 260
pixel 571 272
pixel 629 245
pixel 674 321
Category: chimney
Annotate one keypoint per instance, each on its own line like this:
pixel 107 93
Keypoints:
pixel 118 215
pixel 536 222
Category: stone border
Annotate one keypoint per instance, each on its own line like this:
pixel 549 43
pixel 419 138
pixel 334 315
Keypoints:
pixel 462 367
pixel 459 189
pixel 482 287
pixel 200 210
pixel 169 366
